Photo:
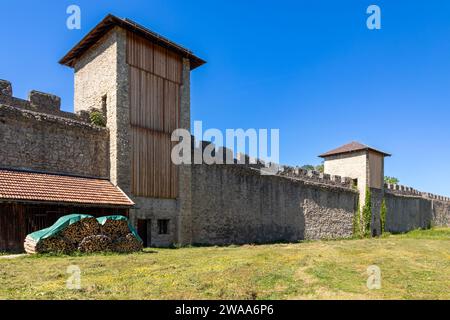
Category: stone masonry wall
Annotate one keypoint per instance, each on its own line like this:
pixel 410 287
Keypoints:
pixel 409 209
pixel 441 213
pixel 406 213
pixel 48 142
pixel 236 204
pixel 101 82
pixel 377 196
pixel 184 201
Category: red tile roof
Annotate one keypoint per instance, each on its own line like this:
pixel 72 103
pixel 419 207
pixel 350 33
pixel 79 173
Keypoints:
pixel 352 147
pixel 45 187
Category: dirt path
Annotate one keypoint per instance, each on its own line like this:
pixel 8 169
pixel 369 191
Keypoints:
pixel 13 256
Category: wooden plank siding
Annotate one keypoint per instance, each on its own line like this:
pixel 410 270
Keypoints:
pixel 139 52
pixel 154 174
pixel 147 100
pixel 155 86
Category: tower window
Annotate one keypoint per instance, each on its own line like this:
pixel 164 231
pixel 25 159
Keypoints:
pixel 104 103
pixel 355 182
pixel 163 226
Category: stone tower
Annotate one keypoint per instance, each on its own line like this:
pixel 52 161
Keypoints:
pixel 140 81
pixel 365 165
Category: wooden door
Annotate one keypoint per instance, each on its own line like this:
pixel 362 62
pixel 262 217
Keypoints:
pixel 144 231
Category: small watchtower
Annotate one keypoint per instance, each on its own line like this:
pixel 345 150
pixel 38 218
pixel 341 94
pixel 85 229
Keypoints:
pixel 365 165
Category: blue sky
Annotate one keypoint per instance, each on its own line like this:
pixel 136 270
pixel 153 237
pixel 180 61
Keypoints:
pixel 310 68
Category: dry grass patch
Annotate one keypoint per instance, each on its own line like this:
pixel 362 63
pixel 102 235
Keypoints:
pixel 414 266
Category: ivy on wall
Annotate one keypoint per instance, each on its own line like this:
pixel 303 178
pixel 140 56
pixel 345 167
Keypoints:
pixel 357 223
pixel 362 222
pixel 367 213
pixel 383 216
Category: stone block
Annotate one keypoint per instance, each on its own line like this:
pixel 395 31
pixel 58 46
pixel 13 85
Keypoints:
pixel 346 181
pixel 5 88
pixel 46 100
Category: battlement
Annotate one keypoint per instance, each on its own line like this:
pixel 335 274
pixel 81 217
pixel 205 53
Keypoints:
pixel 408 191
pixel 41 102
pixel 280 170
pixel 315 176
pixel 435 197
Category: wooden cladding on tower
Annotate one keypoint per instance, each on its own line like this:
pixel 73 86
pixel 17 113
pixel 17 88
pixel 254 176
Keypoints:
pixel 153 58
pixel 154 102
pixel 153 173
pixel 155 83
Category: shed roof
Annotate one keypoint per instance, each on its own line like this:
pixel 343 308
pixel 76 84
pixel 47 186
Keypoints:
pixel 30 186
pixel 352 147
pixel 111 21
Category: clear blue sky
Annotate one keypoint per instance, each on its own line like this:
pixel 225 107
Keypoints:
pixel 310 68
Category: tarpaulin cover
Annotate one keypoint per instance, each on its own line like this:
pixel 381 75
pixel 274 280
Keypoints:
pixel 58 226
pixel 66 221
pixel 102 221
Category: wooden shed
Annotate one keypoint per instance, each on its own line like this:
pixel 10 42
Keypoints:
pixel 30 201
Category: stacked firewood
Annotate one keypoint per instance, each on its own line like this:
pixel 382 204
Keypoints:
pixel 126 244
pixel 56 244
pixel 97 243
pixel 77 231
pixel 115 229
pixel 88 236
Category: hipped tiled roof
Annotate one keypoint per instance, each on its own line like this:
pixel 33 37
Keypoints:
pixel 109 22
pixel 45 187
pixel 352 147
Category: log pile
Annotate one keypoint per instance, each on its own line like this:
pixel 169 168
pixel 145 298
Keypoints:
pixel 126 244
pixel 97 243
pixel 79 230
pixel 115 229
pixel 30 245
pixel 56 244
pixel 88 236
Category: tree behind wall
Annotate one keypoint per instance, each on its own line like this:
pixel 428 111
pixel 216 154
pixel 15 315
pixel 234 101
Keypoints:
pixel 391 180
pixel 319 168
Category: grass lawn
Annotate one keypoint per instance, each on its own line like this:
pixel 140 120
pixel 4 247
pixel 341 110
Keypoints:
pixel 414 266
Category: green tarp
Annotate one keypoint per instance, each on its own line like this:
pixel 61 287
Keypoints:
pixel 102 221
pixel 58 226
pixel 66 221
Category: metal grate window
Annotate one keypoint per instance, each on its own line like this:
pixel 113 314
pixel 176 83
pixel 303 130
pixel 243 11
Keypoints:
pixel 163 226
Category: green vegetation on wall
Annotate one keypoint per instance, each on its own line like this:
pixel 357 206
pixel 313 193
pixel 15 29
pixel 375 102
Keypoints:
pixel 357 223
pixel 367 214
pixel 97 118
pixel 383 215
